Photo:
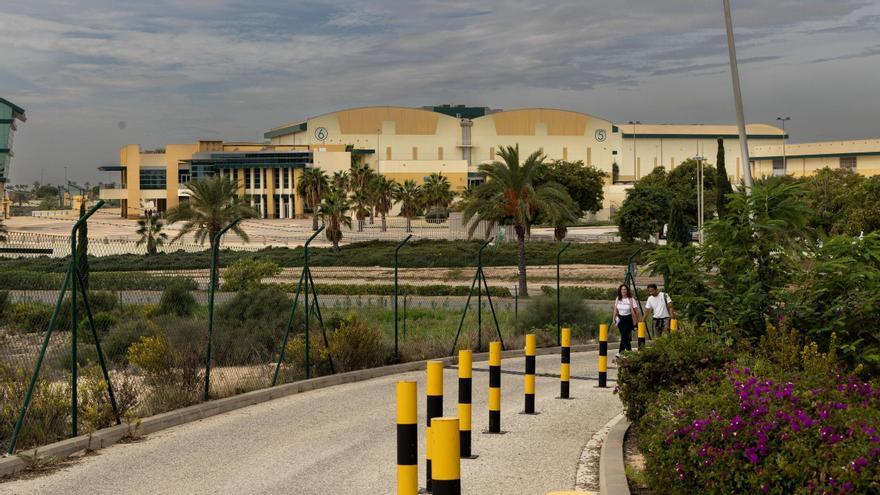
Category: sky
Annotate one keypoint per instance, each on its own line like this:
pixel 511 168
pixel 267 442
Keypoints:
pixel 94 75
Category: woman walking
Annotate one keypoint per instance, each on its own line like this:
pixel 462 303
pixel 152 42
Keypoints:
pixel 626 316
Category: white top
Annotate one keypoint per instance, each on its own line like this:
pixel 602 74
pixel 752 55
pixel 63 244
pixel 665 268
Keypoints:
pixel 659 305
pixel 625 306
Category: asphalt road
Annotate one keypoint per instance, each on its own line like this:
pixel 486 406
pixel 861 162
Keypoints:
pixel 341 440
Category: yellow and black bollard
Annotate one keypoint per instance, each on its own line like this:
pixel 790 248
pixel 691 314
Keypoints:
pixel 565 367
pixel 465 382
pixel 494 387
pixel 407 439
pixel 447 462
pixel 529 384
pixel 673 325
pixel 603 355
pixel 642 330
pixel 435 410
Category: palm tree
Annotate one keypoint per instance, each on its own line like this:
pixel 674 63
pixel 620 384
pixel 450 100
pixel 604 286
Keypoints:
pixel 334 213
pixel 360 174
pixel 311 188
pixel 410 196
pixel 3 230
pixel 561 216
pixel 383 197
pixel 362 202
pixel 510 195
pixel 438 192
pixel 211 207
pixel 341 181
pixel 150 230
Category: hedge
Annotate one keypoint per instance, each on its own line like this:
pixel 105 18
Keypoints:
pixel 30 280
pixel 388 290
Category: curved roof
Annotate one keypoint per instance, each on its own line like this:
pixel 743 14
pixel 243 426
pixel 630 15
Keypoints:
pixel 368 115
pixel 522 121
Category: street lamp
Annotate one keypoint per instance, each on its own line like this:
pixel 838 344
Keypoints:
pixel 737 98
pixel 784 157
pixel 635 173
pixel 699 160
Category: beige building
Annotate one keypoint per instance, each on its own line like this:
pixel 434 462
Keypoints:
pixel 800 160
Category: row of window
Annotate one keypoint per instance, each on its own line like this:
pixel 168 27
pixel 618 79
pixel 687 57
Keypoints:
pixel 845 162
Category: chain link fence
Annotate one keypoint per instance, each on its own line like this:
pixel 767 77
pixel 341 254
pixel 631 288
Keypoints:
pixel 153 325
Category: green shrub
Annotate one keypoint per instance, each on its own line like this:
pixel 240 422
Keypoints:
pixel 357 345
pixel 28 317
pixel 19 279
pixel 103 323
pixel 249 327
pixel 388 290
pixel 172 370
pixel 177 300
pixel 48 418
pixel 592 293
pixel 4 303
pixel 248 273
pixel 116 343
pixel 673 361
pixel 573 311
pixel 99 302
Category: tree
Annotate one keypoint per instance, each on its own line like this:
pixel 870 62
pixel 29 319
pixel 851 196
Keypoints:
pixel 383 196
pixel 409 195
pixel 360 174
pixel 438 194
pixel 150 232
pixel 678 233
pixel 82 248
pixel 560 217
pixel 723 182
pixel 334 213
pixel 362 202
pixel 584 183
pixel 863 215
pixel 829 194
pixel 3 231
pixel 511 194
pixel 311 188
pixel 341 181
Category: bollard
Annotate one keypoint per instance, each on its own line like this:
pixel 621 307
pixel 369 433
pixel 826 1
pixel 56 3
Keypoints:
pixel 603 355
pixel 642 330
pixel 494 387
pixel 465 382
pixel 529 385
pixel 565 367
pixel 447 462
pixel 435 410
pixel 673 325
pixel 407 439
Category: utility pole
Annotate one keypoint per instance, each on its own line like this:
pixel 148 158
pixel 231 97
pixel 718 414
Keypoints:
pixel 737 97
pixel 784 136
pixel 635 160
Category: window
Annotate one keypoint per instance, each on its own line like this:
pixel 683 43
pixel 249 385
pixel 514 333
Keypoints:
pixel 778 166
pixel 415 154
pixel 257 177
pixel 153 179
pixel 183 176
pixel 276 178
pixel 848 162
pixel 247 178
pixel 286 173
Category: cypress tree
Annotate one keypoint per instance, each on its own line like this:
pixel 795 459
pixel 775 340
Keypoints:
pixel 722 182
pixel 677 233
pixel 82 247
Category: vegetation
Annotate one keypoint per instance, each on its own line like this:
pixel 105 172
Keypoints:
pixel 212 206
pixel 312 186
pixel 584 183
pixel 150 233
pixel 334 213
pixel 409 195
pixel 573 312
pixel 512 195
pixel 177 300
pixel 248 274
pixel 383 192
pixel 677 233
pixel 722 180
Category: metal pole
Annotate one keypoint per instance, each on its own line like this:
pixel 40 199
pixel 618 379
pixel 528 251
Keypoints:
pixel 481 277
pixel 737 97
pixel 699 160
pixel 784 136
pixel 215 250
pixel 396 250
pixel 558 319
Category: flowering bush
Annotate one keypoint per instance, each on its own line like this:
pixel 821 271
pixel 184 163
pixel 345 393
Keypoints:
pixel 745 430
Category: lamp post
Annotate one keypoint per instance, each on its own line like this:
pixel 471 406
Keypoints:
pixel 699 160
pixel 784 136
pixel 737 97
pixel 635 173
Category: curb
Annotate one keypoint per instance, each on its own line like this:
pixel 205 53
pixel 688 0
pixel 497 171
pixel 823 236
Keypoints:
pixel 109 436
pixel 612 477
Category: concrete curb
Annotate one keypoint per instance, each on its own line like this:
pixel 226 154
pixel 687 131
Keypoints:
pixel 109 436
pixel 612 477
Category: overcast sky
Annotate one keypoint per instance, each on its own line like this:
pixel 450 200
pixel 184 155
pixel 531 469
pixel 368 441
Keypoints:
pixel 93 75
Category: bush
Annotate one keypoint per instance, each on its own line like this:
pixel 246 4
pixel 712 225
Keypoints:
pixel 4 303
pixel 19 279
pixel 172 370
pixel 99 302
pixel 388 290
pixel 103 323
pixel 48 418
pixel 249 327
pixel 356 345
pixel 673 361
pixel 28 317
pixel 177 300
pixel 573 311
pixel 115 345
pixel 593 293
pixel 248 274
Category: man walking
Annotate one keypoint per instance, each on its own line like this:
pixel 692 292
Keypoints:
pixel 659 305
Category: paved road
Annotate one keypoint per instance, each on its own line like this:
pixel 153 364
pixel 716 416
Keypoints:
pixel 340 440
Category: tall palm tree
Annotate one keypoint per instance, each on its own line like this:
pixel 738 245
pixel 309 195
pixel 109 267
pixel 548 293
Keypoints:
pixel 438 192
pixel 341 181
pixel 150 230
pixel 560 217
pixel 410 196
pixel 334 213
pixel 3 230
pixel 211 207
pixel 361 202
pixel 383 197
pixel 311 188
pixel 360 174
pixel 510 195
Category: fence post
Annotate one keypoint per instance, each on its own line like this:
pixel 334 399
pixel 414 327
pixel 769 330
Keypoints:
pixel 396 250
pixel 215 252
pixel 465 389
pixel 407 439
pixel 494 387
pixel 565 364
pixel 529 380
pixel 516 303
pixel 603 355
pixel 434 410
pixel 558 320
pixel 447 465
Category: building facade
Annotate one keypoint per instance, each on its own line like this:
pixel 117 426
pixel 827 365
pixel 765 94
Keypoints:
pixel 804 159
pixel 10 113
